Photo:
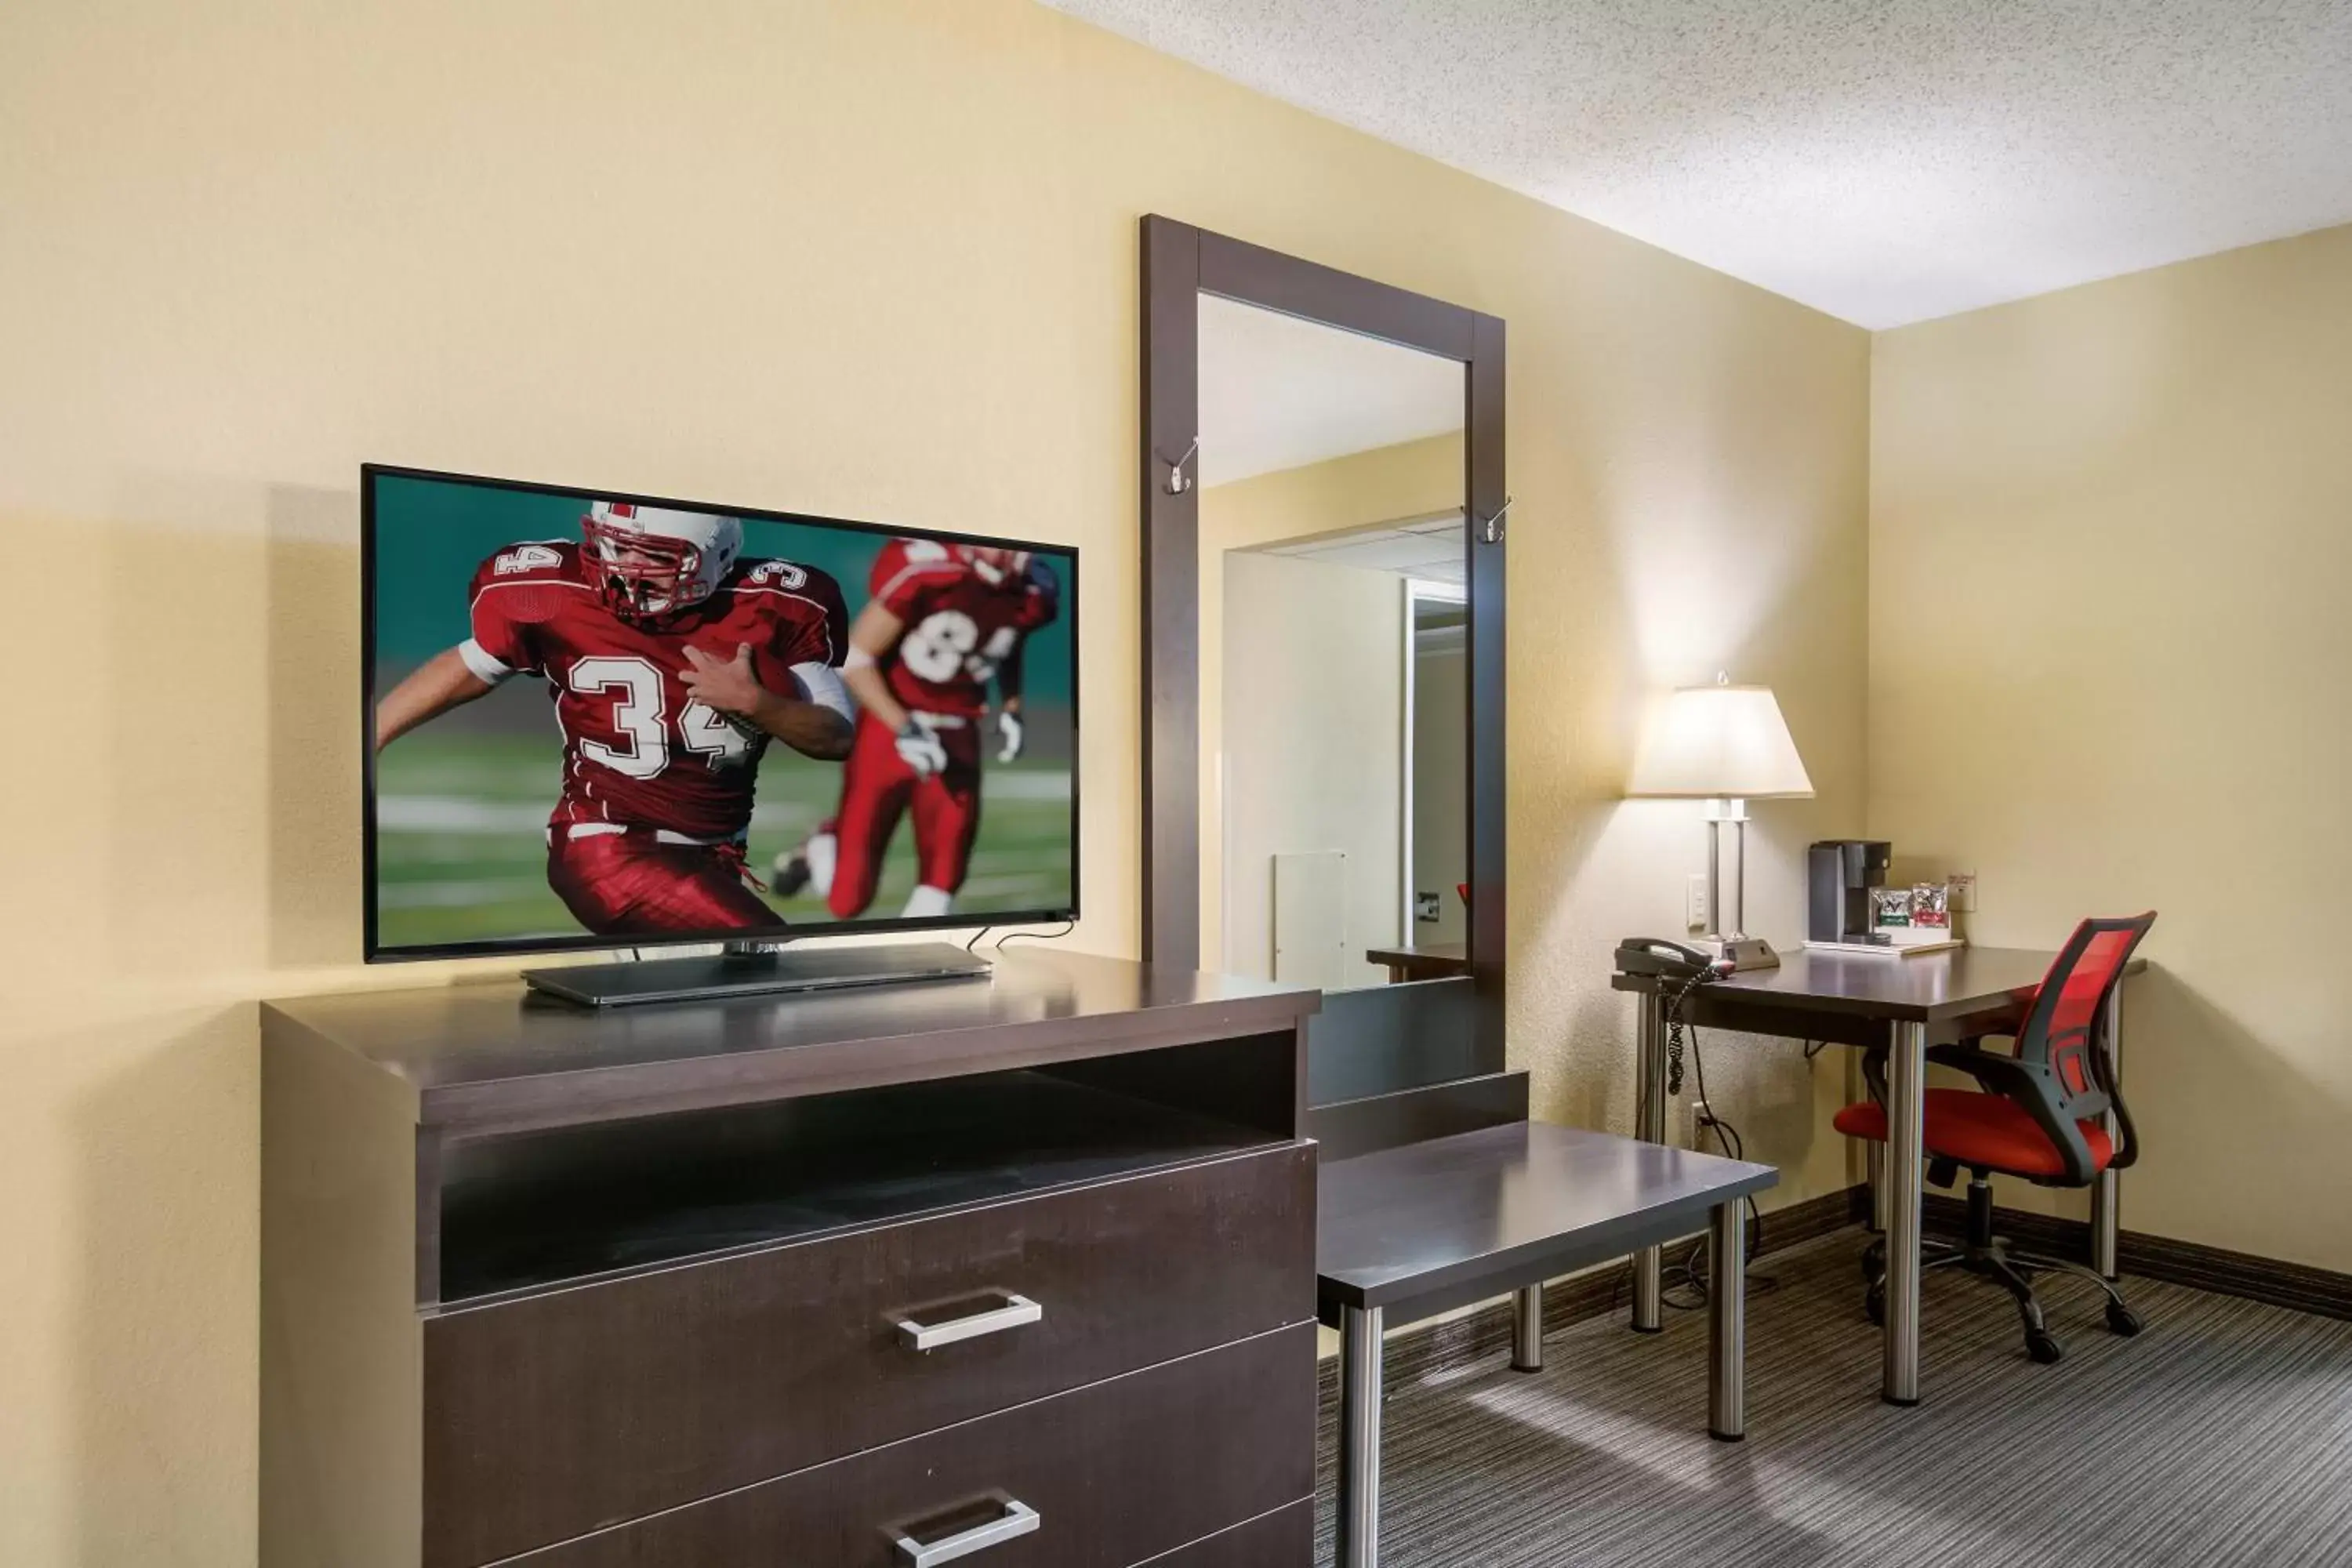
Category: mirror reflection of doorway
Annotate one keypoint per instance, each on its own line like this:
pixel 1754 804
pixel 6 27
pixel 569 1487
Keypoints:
pixel 1331 527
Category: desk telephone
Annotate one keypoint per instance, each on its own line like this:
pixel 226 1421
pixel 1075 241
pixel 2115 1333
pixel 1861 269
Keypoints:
pixel 1679 970
pixel 1669 959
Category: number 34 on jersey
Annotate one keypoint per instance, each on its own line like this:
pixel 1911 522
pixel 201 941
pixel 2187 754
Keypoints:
pixel 640 744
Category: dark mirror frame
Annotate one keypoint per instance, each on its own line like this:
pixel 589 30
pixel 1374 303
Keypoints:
pixel 1180 263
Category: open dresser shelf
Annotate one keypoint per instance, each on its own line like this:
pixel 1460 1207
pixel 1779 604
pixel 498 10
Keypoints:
pixel 529 1210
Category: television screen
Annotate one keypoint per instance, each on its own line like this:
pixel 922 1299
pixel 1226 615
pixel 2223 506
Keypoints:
pixel 598 720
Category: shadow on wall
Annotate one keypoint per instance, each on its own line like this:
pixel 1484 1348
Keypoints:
pixel 231 636
pixel 164 1304
pixel 316 728
pixel 226 826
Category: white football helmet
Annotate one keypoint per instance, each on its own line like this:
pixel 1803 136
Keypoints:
pixel 995 565
pixel 649 561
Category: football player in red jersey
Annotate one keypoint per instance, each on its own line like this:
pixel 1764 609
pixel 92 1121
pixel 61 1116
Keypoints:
pixel 944 620
pixel 672 660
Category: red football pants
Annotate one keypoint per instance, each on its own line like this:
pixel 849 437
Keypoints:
pixel 630 884
pixel 877 788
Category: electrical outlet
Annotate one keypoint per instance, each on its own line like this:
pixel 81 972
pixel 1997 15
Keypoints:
pixel 1964 892
pixel 1696 1118
pixel 1695 913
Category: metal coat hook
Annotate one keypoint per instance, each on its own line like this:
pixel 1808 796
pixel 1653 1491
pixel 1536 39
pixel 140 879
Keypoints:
pixel 1177 483
pixel 1491 531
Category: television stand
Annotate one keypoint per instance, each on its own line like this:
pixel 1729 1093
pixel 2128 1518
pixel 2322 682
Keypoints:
pixel 787 1279
pixel 751 968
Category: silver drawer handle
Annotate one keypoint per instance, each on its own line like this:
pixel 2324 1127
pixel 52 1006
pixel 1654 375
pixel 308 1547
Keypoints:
pixel 1019 1519
pixel 1016 1312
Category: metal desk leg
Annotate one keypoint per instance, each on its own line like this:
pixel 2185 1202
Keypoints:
pixel 1527 1327
pixel 1907 1093
pixel 1726 1322
pixel 1360 1436
pixel 1649 1125
pixel 2107 1223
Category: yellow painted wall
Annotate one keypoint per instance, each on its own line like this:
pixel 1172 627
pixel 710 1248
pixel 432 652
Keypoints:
pixel 2111 561
pixel 874 258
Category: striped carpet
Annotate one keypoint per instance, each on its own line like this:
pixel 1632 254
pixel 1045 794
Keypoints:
pixel 2220 1435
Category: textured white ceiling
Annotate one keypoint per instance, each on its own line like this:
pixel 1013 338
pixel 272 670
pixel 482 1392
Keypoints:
pixel 1886 161
pixel 1280 392
pixel 1426 550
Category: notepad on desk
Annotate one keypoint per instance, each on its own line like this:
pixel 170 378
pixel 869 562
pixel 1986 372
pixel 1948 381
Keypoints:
pixel 1893 943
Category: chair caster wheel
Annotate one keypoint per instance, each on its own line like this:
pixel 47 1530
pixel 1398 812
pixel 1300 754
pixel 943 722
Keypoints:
pixel 1874 1304
pixel 2044 1346
pixel 2122 1320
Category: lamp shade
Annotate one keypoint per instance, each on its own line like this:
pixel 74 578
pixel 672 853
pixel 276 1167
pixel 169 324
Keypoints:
pixel 1711 740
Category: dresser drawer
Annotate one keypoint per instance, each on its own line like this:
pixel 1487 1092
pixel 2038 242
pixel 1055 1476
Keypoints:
pixel 1118 1472
pixel 556 1415
pixel 1283 1539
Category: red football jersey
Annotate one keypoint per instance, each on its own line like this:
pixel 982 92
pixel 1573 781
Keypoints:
pixel 638 748
pixel 960 625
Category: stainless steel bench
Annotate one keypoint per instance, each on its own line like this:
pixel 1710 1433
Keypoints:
pixel 1412 1231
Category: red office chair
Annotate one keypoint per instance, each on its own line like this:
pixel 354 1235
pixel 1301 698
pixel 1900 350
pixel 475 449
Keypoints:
pixel 2040 1120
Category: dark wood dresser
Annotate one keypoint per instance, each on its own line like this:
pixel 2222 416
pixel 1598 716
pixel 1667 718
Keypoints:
pixel 1016 1271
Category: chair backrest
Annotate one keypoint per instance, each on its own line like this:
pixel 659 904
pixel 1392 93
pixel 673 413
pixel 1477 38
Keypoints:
pixel 2061 1041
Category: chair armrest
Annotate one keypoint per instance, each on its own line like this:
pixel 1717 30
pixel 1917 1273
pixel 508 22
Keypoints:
pixel 2019 1083
pixel 1996 1070
pixel 2126 1150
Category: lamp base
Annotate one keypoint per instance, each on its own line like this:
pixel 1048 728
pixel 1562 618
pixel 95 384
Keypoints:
pixel 1743 952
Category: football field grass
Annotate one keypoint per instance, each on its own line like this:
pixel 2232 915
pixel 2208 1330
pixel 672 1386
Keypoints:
pixel 461 846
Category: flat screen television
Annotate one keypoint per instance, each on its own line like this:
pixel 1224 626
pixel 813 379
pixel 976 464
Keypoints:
pixel 596 720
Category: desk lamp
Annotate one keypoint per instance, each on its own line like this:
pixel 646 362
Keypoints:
pixel 1727 745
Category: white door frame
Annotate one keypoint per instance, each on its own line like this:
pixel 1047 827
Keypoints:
pixel 1417 591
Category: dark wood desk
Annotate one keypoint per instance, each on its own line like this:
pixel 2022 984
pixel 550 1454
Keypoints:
pixel 1436 961
pixel 1905 1004
pixel 1410 1232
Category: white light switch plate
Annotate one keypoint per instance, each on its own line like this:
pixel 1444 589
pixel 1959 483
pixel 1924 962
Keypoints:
pixel 1694 908
pixel 1964 891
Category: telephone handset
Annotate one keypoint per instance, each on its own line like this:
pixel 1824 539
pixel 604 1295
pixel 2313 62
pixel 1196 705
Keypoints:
pixel 1670 959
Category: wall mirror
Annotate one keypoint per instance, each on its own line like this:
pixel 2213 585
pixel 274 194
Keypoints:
pixel 1333 637
pixel 1325 523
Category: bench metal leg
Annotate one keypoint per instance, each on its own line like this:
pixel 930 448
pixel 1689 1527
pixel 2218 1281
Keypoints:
pixel 1360 1436
pixel 1649 1126
pixel 1527 1327
pixel 1726 1322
